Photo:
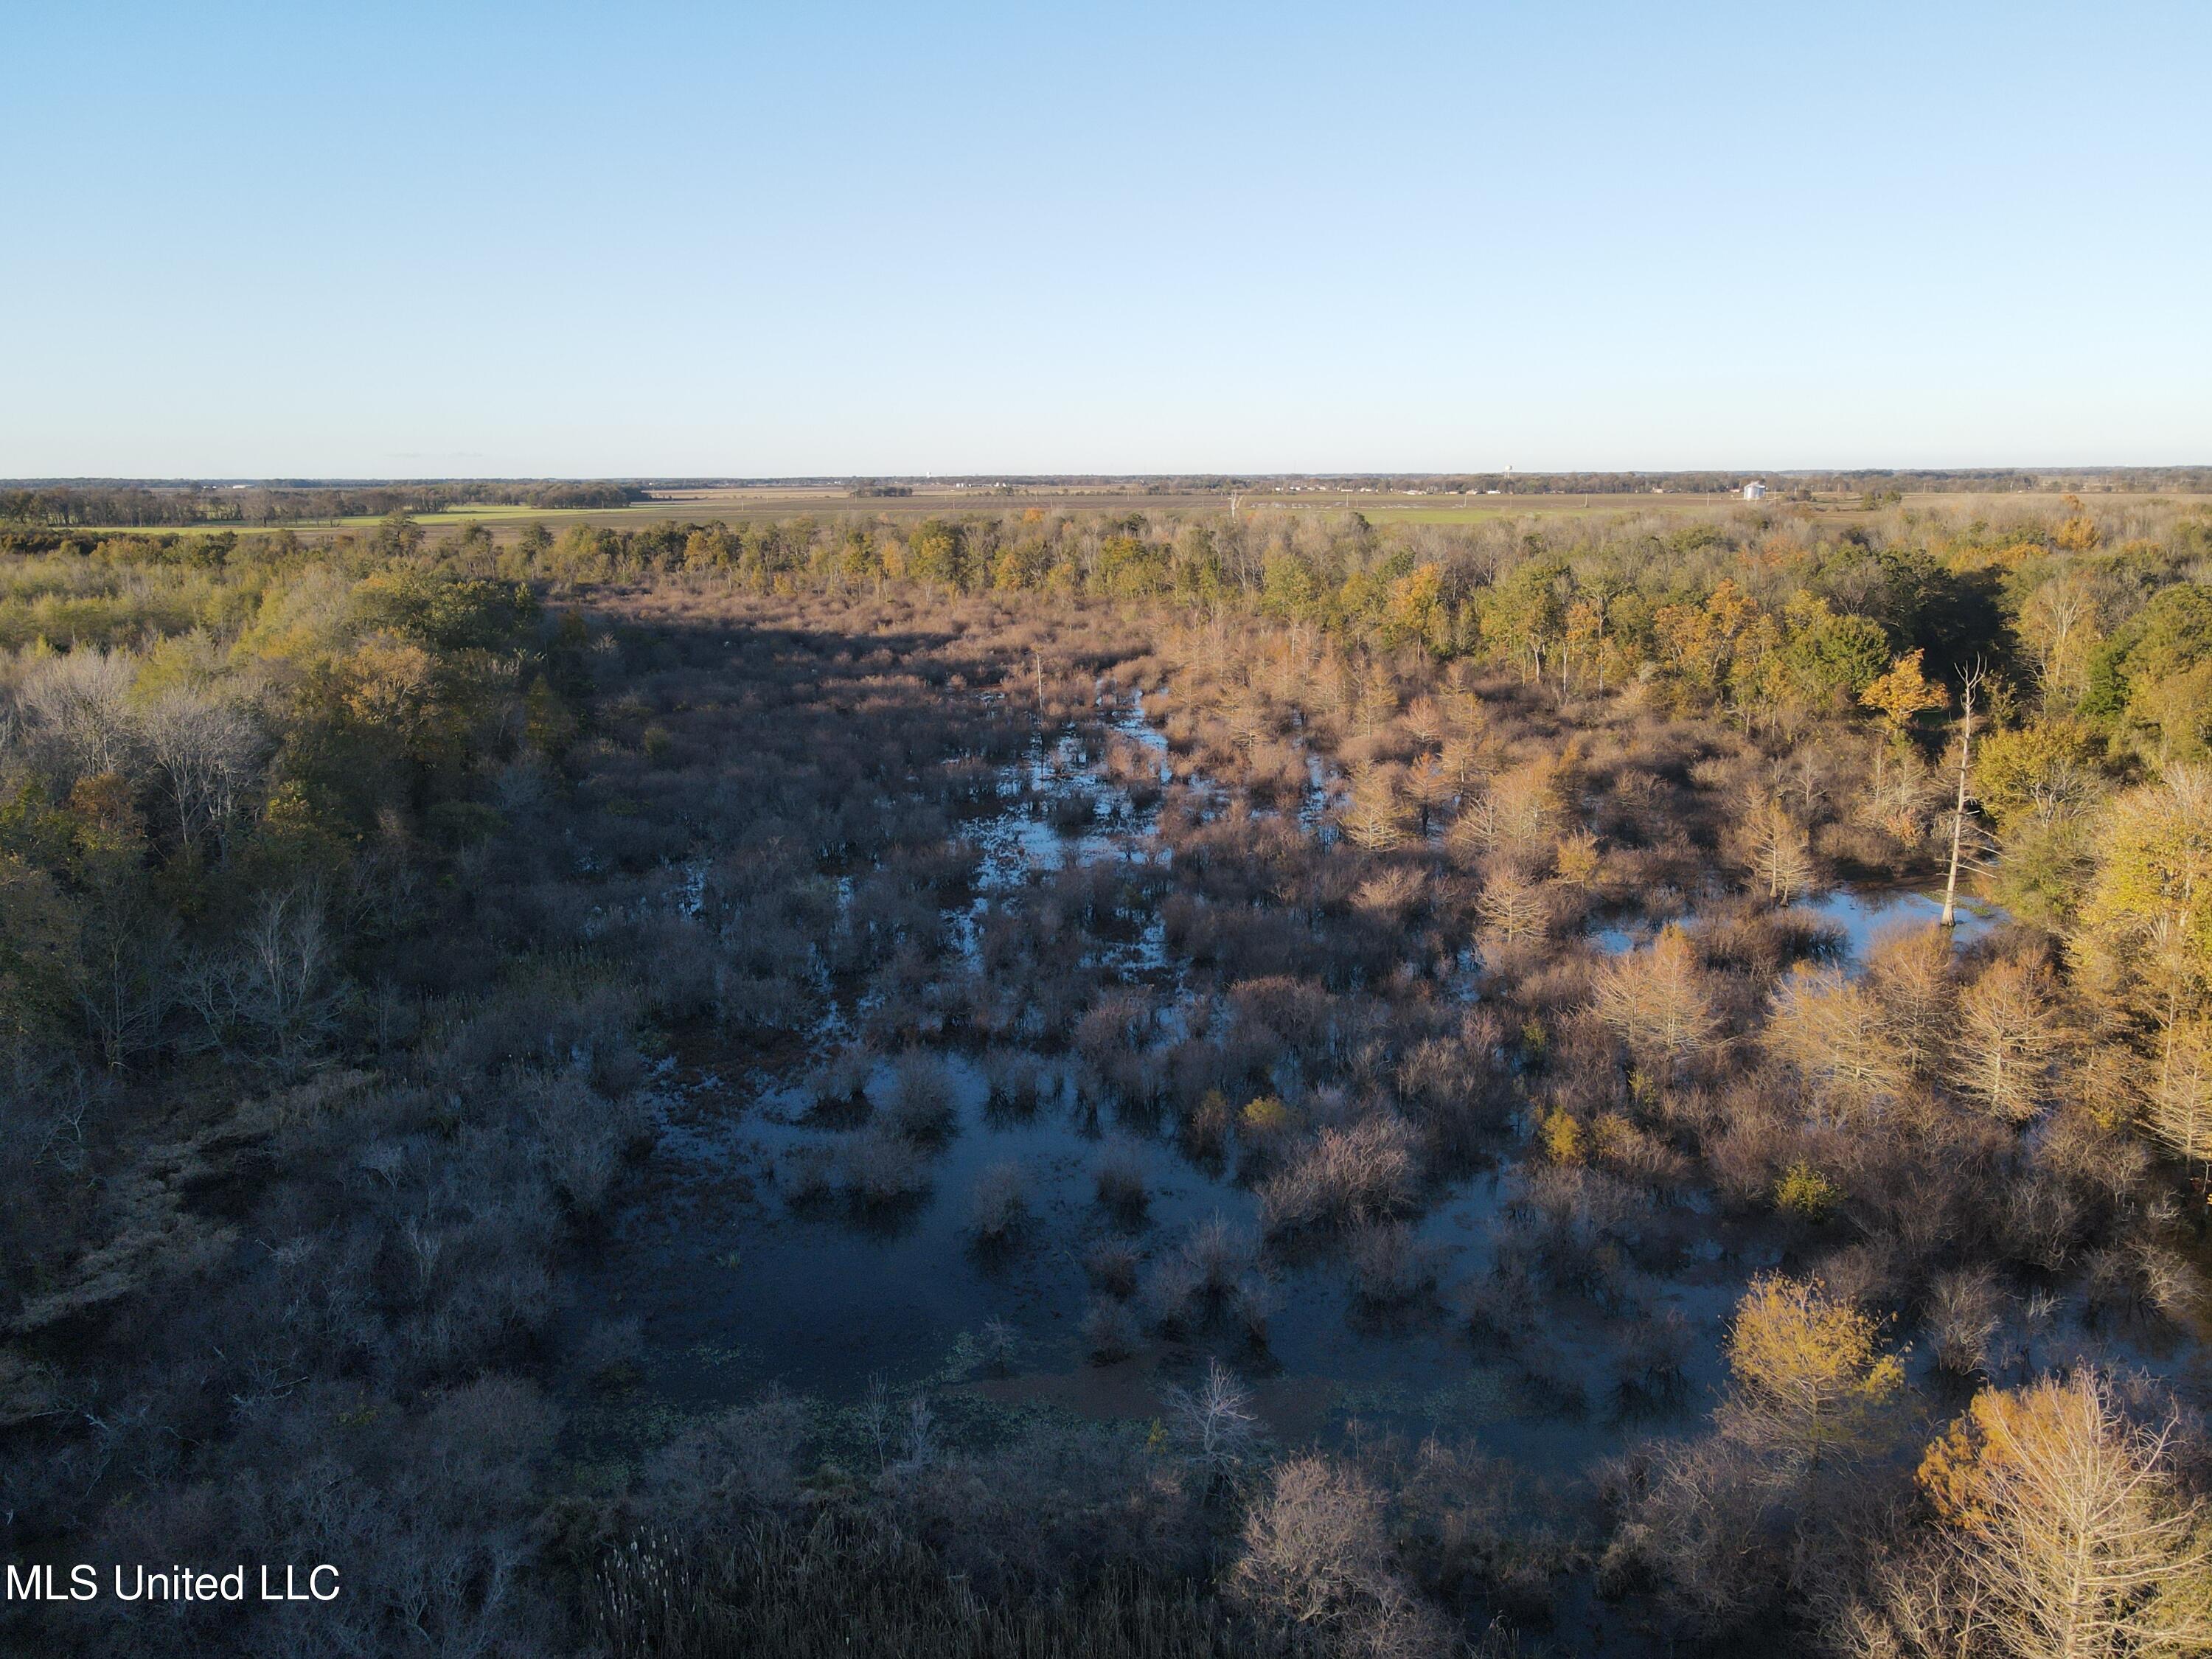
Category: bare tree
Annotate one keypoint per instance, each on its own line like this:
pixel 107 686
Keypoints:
pixel 1214 1423
pixel 206 751
pixel 1514 908
pixel 127 985
pixel 1656 999
pixel 1316 1567
pixel 1518 813
pixel 2061 622
pixel 1970 682
pixel 1777 853
pixel 1832 1030
pixel 1375 700
pixel 1910 972
pixel 1375 820
pixel 2008 1033
pixel 876 1418
pixel 81 701
pixel 920 1433
pixel 1250 719
pixel 2180 1111
pixel 1430 786
pixel 287 955
pixel 2067 1535
pixel 1426 720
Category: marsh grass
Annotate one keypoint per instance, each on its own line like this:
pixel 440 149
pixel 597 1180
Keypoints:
pixel 999 1204
pixel 849 1584
pixel 1120 1181
pixel 882 1170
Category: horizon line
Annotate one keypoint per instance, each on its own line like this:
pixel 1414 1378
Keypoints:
pixel 1215 478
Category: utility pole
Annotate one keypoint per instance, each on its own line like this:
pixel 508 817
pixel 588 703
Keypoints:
pixel 1969 683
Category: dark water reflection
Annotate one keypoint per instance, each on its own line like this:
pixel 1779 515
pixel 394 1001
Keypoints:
pixel 737 1281
pixel 739 1286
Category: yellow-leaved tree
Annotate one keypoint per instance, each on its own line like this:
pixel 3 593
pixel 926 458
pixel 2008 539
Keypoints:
pixel 2143 944
pixel 1898 696
pixel 1810 1372
pixel 2061 1532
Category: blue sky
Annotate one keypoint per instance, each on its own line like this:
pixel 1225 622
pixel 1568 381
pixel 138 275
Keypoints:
pixel 654 239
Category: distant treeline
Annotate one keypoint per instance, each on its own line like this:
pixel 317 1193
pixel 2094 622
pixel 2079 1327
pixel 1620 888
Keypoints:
pixel 1870 481
pixel 1875 482
pixel 153 504
pixel 287 503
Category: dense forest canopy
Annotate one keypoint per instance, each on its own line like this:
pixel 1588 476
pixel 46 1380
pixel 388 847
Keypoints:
pixel 371 903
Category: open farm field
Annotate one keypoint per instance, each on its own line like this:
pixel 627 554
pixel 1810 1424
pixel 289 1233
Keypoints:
pixel 506 521
pixel 1406 509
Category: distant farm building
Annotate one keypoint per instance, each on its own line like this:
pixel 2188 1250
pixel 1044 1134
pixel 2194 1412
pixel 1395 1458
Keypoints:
pixel 1754 492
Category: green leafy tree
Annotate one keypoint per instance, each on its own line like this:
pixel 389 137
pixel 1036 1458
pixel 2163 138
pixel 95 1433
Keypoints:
pixel 1289 591
pixel 2151 675
pixel 1130 569
pixel 937 556
pixel 1833 657
pixel 1524 615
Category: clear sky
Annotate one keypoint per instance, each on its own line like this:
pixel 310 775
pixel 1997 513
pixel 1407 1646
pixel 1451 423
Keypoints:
pixel 650 239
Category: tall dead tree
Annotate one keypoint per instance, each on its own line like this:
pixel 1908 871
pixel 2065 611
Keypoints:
pixel 1970 682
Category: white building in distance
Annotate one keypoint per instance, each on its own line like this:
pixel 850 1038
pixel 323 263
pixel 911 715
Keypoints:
pixel 1754 492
